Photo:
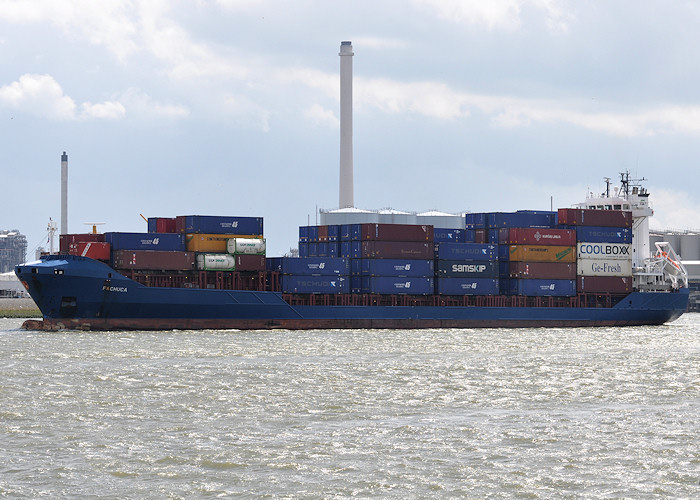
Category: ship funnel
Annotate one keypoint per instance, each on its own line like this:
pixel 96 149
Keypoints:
pixel 346 190
pixel 64 193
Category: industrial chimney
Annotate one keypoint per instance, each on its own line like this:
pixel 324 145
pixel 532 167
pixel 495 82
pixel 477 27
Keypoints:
pixel 346 182
pixel 64 193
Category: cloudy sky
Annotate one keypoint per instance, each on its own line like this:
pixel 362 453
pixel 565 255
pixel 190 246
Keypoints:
pixel 231 107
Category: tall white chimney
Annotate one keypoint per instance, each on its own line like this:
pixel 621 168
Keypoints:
pixel 346 182
pixel 64 193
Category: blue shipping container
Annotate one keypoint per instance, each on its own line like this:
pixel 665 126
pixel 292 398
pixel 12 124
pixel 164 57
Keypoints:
pixel 146 241
pixel 314 284
pixel 470 236
pixel 542 287
pixel 312 249
pixel 323 249
pixel 344 234
pixel 467 269
pixel 304 234
pixel 475 220
pixel 310 266
pixel 215 224
pixel 466 251
pixel 396 267
pixel 467 286
pixel 524 218
pixel 334 233
pixel 442 235
pixel 595 234
pixel 391 285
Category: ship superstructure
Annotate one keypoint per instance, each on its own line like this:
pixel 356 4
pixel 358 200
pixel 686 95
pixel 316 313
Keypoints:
pixel 654 269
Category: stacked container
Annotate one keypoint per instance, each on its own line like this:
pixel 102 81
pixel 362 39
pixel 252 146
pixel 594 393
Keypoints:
pixel 604 249
pixel 389 259
pixel 537 261
pixel 466 269
pixel 312 274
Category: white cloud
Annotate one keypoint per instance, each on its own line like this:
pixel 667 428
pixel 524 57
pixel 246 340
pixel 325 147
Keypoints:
pixel 38 95
pixel 676 210
pixel 321 116
pixel 141 105
pixel 497 14
pixel 108 110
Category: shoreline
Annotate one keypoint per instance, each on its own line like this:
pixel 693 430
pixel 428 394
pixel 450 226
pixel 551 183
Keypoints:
pixel 18 308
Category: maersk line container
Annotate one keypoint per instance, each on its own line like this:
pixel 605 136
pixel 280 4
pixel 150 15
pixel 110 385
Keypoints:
pixel 153 260
pixel 538 270
pixel 604 267
pixel 604 284
pixel 542 287
pixel 392 285
pixel 445 235
pixel 467 286
pixel 146 241
pixel 395 267
pixel 246 246
pixel 216 262
pixel 522 218
pixel 601 234
pixel 314 284
pixel 593 217
pixel 615 251
pixel 392 232
pixel 321 266
pixel 466 251
pixel 215 224
pixel 537 253
pixel 536 236
pixel 467 269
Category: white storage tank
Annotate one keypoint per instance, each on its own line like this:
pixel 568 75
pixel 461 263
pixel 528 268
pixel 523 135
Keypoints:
pixel 689 247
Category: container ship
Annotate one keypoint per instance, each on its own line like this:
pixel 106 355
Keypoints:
pixel 591 265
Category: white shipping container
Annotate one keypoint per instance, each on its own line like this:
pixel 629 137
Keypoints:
pixel 246 246
pixel 604 267
pixel 616 251
pixel 216 262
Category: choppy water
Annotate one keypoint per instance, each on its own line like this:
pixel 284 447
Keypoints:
pixel 528 413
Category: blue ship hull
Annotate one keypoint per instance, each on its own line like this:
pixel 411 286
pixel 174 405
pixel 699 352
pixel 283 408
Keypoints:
pixel 80 293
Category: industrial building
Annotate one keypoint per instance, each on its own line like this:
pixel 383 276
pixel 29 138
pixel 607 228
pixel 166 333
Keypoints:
pixel 687 246
pixel 13 250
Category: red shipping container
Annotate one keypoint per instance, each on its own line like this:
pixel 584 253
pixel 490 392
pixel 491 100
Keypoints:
pixel 153 260
pixel 397 250
pixel 591 217
pixel 536 236
pixel 93 249
pixel 322 233
pixel 396 232
pixel 542 270
pixel 481 236
pixel 604 284
pixel 166 225
pixel 250 262
pixel 65 240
